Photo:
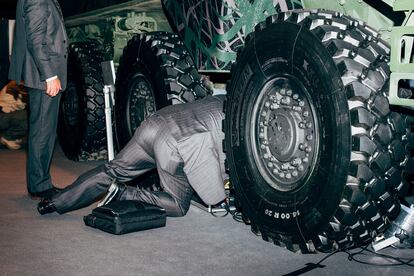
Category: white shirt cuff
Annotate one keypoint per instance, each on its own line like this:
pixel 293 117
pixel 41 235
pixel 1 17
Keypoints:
pixel 51 78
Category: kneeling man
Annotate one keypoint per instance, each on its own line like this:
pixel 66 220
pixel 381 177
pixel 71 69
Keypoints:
pixel 183 142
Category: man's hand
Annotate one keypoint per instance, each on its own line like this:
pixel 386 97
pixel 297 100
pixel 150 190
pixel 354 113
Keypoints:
pixel 53 87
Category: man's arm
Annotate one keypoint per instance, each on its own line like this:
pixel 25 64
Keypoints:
pixel 36 13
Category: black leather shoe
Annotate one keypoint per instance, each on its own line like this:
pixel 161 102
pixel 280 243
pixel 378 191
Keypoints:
pixel 49 193
pixel 46 206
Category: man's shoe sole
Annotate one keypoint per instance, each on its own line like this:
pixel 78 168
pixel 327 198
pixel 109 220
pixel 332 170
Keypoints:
pixel 112 191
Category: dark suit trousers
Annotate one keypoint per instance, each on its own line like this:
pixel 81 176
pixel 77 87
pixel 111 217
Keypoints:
pixel 43 118
pixel 140 155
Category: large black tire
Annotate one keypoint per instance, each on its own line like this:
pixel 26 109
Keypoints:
pixel 316 157
pixel 81 129
pixel 154 71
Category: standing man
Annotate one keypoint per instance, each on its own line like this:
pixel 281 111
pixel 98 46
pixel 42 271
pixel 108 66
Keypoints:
pixel 39 58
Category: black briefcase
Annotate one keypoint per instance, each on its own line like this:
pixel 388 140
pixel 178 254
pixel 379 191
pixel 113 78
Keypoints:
pixel 125 216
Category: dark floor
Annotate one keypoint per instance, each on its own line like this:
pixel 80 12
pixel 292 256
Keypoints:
pixel 197 244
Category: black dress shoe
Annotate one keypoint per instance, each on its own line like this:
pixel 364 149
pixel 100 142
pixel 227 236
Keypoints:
pixel 45 194
pixel 46 206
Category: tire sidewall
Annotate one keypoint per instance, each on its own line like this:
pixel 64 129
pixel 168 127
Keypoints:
pixel 71 136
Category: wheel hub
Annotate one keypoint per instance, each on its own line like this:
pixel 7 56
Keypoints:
pixel 281 133
pixel 285 138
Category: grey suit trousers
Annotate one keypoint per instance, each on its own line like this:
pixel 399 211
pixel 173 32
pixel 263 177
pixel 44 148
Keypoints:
pixel 43 118
pixel 179 142
pixel 135 159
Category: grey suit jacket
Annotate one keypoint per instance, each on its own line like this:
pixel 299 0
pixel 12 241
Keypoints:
pixel 40 44
pixel 193 130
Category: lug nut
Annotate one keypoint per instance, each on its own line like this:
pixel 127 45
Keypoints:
pixel 300 168
pixel 295 173
pixel 306 113
pixel 296 161
pixel 308 149
pixel 288 176
pixel 301 125
pixel 285 100
pixel 301 103
pixel 270 164
pixel 309 125
pixel 305 160
pixel 295 96
pixel 272 99
pixel 301 146
pixel 309 137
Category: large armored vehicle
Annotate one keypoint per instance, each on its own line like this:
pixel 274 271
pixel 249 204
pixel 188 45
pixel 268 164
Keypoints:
pixel 319 127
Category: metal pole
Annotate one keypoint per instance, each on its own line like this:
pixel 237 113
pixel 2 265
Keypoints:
pixel 108 119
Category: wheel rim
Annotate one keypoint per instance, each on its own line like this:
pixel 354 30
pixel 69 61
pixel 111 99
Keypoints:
pixel 141 102
pixel 285 133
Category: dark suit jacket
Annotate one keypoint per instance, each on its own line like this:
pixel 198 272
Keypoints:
pixel 40 44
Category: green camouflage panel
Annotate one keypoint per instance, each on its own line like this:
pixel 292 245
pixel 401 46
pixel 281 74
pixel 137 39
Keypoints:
pixel 213 30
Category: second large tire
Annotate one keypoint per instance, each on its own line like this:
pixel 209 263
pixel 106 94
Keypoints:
pixel 316 157
pixel 155 70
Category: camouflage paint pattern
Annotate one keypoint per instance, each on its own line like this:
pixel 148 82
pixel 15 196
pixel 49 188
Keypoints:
pixel 213 30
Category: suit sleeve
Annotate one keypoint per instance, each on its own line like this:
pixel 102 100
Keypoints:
pixel 36 14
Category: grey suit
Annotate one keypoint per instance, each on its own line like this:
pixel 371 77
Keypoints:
pixel 39 52
pixel 184 143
